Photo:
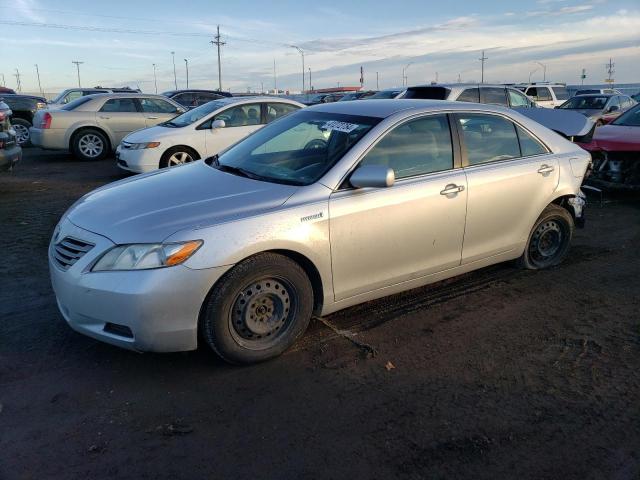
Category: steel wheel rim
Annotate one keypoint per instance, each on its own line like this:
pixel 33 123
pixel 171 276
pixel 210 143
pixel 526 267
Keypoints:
pixel 546 241
pixel 262 313
pixel 179 158
pixel 22 134
pixel 91 145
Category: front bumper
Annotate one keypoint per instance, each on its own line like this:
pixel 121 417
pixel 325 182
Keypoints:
pixel 9 157
pixel 138 161
pixel 48 138
pixel 160 307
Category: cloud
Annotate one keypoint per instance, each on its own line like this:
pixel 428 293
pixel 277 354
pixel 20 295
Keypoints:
pixel 26 9
pixel 561 11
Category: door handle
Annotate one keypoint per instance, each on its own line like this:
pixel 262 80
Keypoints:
pixel 104 118
pixel 452 189
pixel 544 169
pixel 153 118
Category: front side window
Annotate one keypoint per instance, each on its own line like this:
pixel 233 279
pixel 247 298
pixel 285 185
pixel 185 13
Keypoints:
pixel 517 99
pixel 241 116
pixel 415 148
pixel 194 115
pixel 297 149
pixel 277 110
pixel 488 138
pixel 156 105
pixel 470 95
pixel 631 118
pixel 120 105
pixel 493 96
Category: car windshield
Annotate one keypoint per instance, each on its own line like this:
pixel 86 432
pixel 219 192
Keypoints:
pixel 630 118
pixel 384 94
pixel 297 149
pixel 60 96
pixel 584 102
pixel 194 115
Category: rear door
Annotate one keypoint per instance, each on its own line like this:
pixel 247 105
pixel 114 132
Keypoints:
pixel 511 177
pixel 156 110
pixel 240 121
pixel 119 117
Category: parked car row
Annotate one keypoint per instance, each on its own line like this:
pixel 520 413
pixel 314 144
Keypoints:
pixel 24 108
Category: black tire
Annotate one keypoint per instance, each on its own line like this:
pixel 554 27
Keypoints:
pixel 167 159
pixel 549 240
pixel 83 141
pixel 258 309
pixel 21 126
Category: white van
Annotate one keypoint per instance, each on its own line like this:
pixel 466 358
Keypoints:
pixel 548 95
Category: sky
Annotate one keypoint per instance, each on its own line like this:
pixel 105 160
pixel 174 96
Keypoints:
pixel 119 41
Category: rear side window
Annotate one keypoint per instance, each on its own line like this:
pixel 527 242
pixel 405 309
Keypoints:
pixel 488 138
pixel 156 105
pixel 427 93
pixel 121 105
pixel 529 145
pixel 415 148
pixel 277 110
pixel 539 93
pixel 493 96
pixel 470 95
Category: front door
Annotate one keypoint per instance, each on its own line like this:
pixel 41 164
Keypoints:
pixel 511 177
pixel 119 117
pixel 384 236
pixel 240 121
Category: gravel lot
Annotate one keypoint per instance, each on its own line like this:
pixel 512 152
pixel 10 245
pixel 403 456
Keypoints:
pixel 500 373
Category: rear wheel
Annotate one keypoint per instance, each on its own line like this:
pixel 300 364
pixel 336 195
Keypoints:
pixel 178 156
pixel 549 240
pixel 21 126
pixel 90 144
pixel 258 309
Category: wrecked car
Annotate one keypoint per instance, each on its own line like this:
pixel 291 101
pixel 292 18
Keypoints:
pixel 615 153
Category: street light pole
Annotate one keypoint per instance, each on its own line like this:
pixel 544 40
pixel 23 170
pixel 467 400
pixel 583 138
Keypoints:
pixel 78 68
pixel 39 85
pixel 186 64
pixel 302 54
pixel 175 78
pixel 544 71
pixel 482 60
pixel 310 87
pixel 377 81
pixel 155 79
pixel 404 74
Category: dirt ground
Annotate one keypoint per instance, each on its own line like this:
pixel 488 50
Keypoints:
pixel 500 373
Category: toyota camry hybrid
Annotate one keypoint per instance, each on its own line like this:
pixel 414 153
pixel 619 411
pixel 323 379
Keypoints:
pixel 325 208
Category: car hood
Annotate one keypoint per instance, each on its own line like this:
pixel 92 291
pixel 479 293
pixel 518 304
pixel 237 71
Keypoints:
pixel 567 122
pixel 152 134
pixel 151 207
pixel 617 138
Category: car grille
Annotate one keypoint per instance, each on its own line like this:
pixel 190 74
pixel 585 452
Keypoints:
pixel 69 250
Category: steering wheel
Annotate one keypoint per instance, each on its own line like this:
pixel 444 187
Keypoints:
pixel 316 144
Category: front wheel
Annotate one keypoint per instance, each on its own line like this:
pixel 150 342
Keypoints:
pixel 177 156
pixel 258 309
pixel 549 240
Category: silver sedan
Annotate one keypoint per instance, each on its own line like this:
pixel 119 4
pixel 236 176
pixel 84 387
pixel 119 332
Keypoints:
pixel 328 207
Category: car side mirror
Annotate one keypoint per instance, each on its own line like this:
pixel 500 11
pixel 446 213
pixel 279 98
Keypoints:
pixel 373 176
pixel 218 124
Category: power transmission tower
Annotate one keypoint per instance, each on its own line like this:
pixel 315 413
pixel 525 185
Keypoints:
pixel 218 43
pixel 78 68
pixel 17 75
pixel 39 85
pixel 482 59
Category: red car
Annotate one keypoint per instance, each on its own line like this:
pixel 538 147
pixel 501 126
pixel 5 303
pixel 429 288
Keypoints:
pixel 615 150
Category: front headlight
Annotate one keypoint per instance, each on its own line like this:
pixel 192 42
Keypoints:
pixel 140 146
pixel 142 256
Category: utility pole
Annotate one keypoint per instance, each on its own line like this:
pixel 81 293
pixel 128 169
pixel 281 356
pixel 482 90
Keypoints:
pixel 3 82
pixel 404 73
pixel 610 71
pixel 310 87
pixel 78 68
pixel 583 76
pixel 377 81
pixel 186 64
pixel 436 77
pixel 175 78
pixel 218 43
pixel 482 59
pixel 459 79
pixel 261 87
pixel 361 77
pixel 275 79
pixel 301 53
pixel 17 75
pixel 155 79
pixel 39 85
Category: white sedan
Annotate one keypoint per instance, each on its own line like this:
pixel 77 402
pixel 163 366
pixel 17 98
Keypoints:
pixel 199 133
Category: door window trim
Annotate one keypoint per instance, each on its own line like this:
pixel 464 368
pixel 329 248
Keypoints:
pixel 455 144
pixel 463 147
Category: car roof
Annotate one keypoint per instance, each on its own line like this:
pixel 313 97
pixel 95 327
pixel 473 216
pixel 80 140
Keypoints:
pixel 599 95
pixel 385 108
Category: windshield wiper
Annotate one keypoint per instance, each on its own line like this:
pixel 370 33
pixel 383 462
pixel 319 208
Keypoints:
pixel 241 172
